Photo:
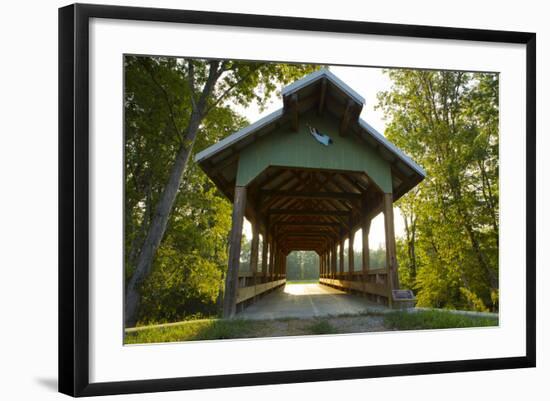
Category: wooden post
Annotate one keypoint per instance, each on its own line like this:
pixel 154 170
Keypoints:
pixel 391 256
pixel 351 258
pixel 329 260
pixel 275 262
pixel 232 277
pixel 271 257
pixel 282 269
pixel 284 266
pixel 342 242
pixel 325 267
pixel 333 266
pixel 329 269
pixel 265 243
pixel 279 263
pixel 365 228
pixel 254 250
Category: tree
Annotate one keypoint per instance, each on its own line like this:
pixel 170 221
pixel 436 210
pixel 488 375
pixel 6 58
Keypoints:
pixel 448 122
pixel 169 104
pixel 302 265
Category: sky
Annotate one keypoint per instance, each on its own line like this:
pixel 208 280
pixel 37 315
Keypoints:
pixel 368 82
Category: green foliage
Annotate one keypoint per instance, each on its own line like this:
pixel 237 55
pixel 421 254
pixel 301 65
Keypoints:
pixel 206 329
pixel 302 265
pixel 377 258
pixel 448 123
pixel 404 320
pixel 188 270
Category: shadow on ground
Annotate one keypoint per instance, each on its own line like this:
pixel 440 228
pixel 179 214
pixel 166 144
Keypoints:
pixel 49 383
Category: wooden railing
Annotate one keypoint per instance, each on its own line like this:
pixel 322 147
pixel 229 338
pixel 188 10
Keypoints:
pixel 253 285
pixel 373 282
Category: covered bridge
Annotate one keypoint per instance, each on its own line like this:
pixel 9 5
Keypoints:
pixel 307 177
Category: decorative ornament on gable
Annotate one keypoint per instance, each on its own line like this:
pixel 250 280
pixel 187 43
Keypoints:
pixel 320 137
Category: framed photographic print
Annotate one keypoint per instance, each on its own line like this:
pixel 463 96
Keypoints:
pixel 251 199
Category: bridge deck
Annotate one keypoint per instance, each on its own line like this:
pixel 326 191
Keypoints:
pixel 306 301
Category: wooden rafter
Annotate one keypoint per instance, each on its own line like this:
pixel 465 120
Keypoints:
pixel 312 195
pixel 346 120
pixel 309 212
pixel 309 223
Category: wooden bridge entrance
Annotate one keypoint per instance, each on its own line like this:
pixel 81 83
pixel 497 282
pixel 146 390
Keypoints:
pixel 307 177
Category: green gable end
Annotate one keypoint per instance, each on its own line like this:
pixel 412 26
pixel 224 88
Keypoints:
pixel 284 147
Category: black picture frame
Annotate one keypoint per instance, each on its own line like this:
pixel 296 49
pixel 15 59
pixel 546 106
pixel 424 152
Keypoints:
pixel 74 198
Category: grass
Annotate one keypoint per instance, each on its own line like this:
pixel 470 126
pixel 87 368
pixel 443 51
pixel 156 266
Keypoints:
pixel 315 281
pixel 321 327
pixel 402 320
pixel 206 329
pixel 220 329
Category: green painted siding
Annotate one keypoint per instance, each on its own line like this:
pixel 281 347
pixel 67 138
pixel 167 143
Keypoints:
pixel 299 149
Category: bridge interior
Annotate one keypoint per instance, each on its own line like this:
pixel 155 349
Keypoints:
pixel 297 209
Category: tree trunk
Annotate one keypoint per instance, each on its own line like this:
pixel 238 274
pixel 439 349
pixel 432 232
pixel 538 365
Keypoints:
pixel 467 224
pixel 410 233
pixel 155 234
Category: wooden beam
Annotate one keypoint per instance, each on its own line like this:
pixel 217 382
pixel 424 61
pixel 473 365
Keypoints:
pixel 353 183
pixel 303 245
pixel 308 223
pixel 312 195
pixel 232 278
pixel 391 253
pixel 273 201
pixel 322 96
pixel 305 234
pixel 224 163
pixel 311 230
pixel 351 258
pixel 341 261
pixel 345 122
pixel 254 249
pixel 399 174
pixel 309 212
pixel 272 246
pixel 333 267
pixel 365 228
pixel 265 244
pixel 266 177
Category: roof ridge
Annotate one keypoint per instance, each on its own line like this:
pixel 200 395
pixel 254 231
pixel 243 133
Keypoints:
pixel 316 75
